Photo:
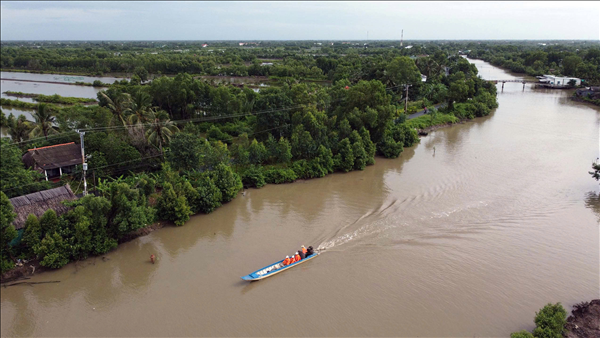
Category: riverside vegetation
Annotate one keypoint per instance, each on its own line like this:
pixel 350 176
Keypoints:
pixel 177 146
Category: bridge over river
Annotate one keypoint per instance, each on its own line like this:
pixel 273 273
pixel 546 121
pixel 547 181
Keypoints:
pixel 523 81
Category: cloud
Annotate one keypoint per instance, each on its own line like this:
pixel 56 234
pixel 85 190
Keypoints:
pixel 298 20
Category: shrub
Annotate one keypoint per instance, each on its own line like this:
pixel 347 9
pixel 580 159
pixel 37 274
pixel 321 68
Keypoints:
pixel 33 233
pixel 253 177
pixel 173 207
pixel 215 134
pixel 278 176
pixel 209 195
pixel 7 232
pixel 344 160
pixel 53 251
pixel 550 321
pixel 521 334
pixel 305 169
pixel 227 181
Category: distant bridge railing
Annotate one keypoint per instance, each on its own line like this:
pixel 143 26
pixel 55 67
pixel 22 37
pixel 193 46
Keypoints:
pixel 517 81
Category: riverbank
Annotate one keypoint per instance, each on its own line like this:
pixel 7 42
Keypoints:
pixel 120 75
pixel 584 321
pixel 87 84
pixel 33 266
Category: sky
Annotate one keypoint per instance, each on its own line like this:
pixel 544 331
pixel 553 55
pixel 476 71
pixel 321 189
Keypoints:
pixel 272 20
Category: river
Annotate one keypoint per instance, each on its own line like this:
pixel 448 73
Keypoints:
pixel 468 233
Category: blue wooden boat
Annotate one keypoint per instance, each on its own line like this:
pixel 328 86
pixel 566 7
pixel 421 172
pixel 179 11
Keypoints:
pixel 275 268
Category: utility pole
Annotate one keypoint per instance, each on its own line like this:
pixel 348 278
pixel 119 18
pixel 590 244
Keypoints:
pixel 84 165
pixel 406 100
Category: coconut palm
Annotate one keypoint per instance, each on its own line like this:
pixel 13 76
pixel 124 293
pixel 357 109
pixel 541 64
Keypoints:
pixel 140 105
pixel 18 129
pixel 160 129
pixel 44 121
pixel 119 107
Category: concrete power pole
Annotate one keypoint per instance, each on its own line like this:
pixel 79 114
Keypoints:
pixel 406 100
pixel 84 165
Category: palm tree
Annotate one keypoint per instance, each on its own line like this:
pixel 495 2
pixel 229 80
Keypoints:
pixel 160 129
pixel 120 106
pixel 18 129
pixel 140 104
pixel 44 121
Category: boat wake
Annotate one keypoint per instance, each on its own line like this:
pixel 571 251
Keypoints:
pixel 365 233
pixel 393 224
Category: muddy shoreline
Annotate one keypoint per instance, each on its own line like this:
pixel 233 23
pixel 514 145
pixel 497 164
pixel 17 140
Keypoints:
pixel 584 321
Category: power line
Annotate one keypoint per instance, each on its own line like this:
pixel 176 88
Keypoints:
pixel 214 118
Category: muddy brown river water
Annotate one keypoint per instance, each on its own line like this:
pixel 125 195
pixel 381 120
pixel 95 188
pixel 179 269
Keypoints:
pixel 466 234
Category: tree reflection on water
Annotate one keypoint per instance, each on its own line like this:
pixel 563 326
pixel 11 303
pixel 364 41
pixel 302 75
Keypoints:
pixel 592 201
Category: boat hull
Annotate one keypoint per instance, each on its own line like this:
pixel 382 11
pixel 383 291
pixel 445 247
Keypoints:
pixel 256 275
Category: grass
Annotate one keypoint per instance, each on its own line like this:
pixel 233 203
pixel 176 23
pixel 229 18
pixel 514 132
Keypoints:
pixel 22 104
pixel 425 121
pixel 52 98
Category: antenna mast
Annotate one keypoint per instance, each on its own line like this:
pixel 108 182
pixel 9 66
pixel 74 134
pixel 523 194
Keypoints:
pixel 401 37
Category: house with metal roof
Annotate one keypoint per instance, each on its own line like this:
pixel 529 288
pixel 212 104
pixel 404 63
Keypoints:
pixel 54 161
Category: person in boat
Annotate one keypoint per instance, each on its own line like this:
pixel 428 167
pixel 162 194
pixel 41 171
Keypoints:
pixel 302 253
pixel 297 257
pixel 310 251
pixel 286 261
pixel 304 250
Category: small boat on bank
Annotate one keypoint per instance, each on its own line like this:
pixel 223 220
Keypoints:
pixel 275 268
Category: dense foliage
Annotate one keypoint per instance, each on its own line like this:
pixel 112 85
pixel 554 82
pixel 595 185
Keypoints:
pixel 167 147
pixel 550 322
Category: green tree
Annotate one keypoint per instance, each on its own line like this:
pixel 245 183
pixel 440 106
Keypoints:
pixel 360 155
pixel 402 70
pixel 97 210
pixel 15 180
pixel 569 65
pixel 53 251
pixel 284 151
pixel 173 207
pixel 160 130
pixel 120 106
pixel 19 128
pixel 257 153
pixel 345 158
pixel 128 210
pixel 185 151
pixel 142 73
pixel 459 89
pixel 227 181
pixel 369 146
pixel 44 121
pixel 33 233
pixel 49 222
pixel 209 195
pixel 7 232
pixel 550 321
pixel 253 177
pixel 81 236
pixel 141 102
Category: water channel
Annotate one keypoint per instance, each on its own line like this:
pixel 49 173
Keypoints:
pixel 466 234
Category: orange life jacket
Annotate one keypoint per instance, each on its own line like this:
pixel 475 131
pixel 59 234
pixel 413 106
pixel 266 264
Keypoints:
pixel 297 258
pixel 286 261
pixel 304 250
